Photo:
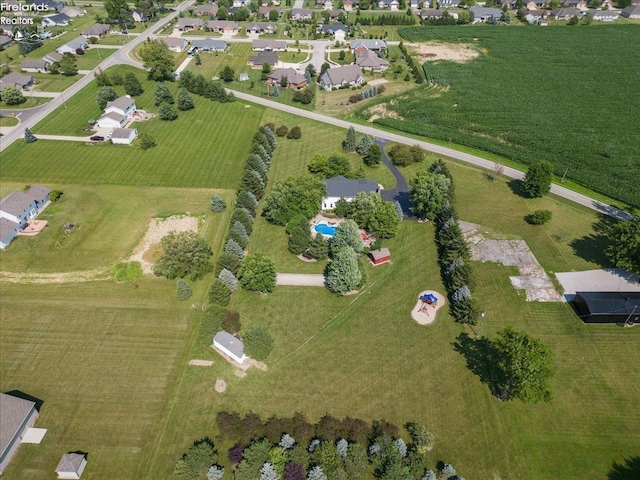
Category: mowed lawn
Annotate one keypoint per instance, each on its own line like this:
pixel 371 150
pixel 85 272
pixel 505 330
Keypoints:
pixel 103 358
pixel 203 148
pixel 363 356
pixel 110 221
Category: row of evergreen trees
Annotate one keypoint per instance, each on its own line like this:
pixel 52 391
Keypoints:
pixel 210 89
pixel 294 449
pixel 454 256
pixel 416 69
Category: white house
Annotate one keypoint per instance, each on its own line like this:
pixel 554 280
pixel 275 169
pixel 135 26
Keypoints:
pixel 230 346
pixel 17 415
pixel 118 113
pixel 71 466
pixel 59 19
pixel 73 45
pixel 123 136
pixel 341 187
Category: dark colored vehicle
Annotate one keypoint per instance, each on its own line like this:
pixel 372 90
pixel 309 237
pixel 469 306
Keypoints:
pixel 97 138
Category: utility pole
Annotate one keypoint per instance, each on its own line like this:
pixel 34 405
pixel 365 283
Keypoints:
pixel 564 175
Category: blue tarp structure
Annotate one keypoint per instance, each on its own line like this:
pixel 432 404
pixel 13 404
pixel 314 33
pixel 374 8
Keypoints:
pixel 429 297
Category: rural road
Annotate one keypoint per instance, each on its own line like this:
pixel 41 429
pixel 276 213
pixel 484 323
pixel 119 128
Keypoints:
pixel 119 58
pixel 300 279
pixel 438 149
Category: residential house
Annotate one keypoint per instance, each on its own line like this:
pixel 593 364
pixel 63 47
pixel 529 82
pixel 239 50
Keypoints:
pixel 347 75
pixel 78 43
pixel 391 4
pixel 207 45
pixel 373 45
pixel 565 13
pixel 260 27
pixel 431 13
pixel 48 5
pixel 117 113
pixel 206 10
pixel 184 24
pixel 580 4
pixel 259 60
pixel 604 15
pixel 485 14
pixel 341 187
pixel 334 15
pixel 230 346
pixel 34 66
pixel 175 44
pixel 631 12
pixel 73 12
pixel 138 16
pixel 299 14
pixel 57 20
pixel 53 57
pixel 16 209
pixel 415 4
pixel 5 41
pixel 269 46
pixel 267 3
pixel 16 80
pixel 123 136
pixel 331 29
pixel 264 12
pixel 294 79
pixel 99 30
pixel 369 60
pixel 223 26
pixel 536 4
pixel 448 3
pixel 534 16
pixel 241 3
pixel 349 5
pixel 17 415
pixel 71 466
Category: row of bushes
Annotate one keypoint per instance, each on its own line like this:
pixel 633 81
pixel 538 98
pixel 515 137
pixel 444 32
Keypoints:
pixel 454 256
pixel 199 85
pixel 416 69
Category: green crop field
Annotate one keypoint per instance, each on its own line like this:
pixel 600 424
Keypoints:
pixel 558 94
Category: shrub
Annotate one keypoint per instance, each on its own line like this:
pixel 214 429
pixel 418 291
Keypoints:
pixel 54 195
pixel 183 290
pixel 295 133
pixel 231 322
pixel 539 217
pixel 211 323
pixel 218 204
pixel 29 137
pixel 258 342
pixel 258 273
pixel 282 131
pixel 147 141
pixel 185 254
pixel 219 293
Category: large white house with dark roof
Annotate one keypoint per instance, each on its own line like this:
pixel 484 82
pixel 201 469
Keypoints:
pixel 341 187
pixel 18 208
pixel 17 415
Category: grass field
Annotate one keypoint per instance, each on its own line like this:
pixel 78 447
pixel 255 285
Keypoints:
pixel 46 82
pixel 30 103
pixel 585 129
pixel 8 121
pixel 93 57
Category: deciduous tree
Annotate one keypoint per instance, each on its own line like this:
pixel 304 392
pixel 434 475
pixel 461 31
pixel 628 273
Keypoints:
pixel 428 192
pixel 132 85
pixel 537 181
pixel 157 59
pixel 624 245
pixel 12 96
pixel 258 273
pixel 185 255
pixel 104 95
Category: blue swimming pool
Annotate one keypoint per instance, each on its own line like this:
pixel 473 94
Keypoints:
pixel 325 229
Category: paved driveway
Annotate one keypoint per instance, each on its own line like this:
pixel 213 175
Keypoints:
pixel 605 280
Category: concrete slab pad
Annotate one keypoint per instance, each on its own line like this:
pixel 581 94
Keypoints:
pixel 601 280
pixel 34 435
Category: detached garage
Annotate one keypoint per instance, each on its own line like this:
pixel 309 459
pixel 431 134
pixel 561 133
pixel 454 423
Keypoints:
pixel 608 307
pixel 124 136
pixel 230 346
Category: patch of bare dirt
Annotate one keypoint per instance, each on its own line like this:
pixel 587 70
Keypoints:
pixel 66 277
pixel 381 111
pixel 147 250
pixel 454 52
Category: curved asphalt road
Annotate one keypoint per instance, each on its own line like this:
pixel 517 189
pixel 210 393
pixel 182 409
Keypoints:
pixel 400 193
pixel 440 150
pixel 119 58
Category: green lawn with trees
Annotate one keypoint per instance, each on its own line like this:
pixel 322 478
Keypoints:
pixel 127 349
pixel 487 108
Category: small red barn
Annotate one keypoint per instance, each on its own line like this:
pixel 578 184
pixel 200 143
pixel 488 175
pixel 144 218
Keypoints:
pixel 379 256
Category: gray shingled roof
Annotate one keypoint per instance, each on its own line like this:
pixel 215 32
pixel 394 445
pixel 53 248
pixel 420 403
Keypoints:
pixel 70 463
pixel 231 343
pixel 37 192
pixel 291 74
pixel 42 63
pixel 53 57
pixel 174 41
pixel 121 132
pixel 207 9
pixel 302 12
pixel 343 187
pixel 480 12
pixel 379 253
pixel 209 43
pixel 6 227
pixel 122 103
pixel 113 116
pixel 58 18
pixel 15 80
pixel 78 42
pixel 97 29
pixel 269 44
pixel 223 24
pixel 333 27
pixel 13 412
pixel 340 75
pixel 265 57
pixel 189 22
pixel 15 203
pixel 368 44
pixel 369 59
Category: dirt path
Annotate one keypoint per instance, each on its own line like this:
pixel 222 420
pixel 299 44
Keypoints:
pixel 95 274
pixel 300 279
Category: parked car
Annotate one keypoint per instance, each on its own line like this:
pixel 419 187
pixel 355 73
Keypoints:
pixel 97 138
